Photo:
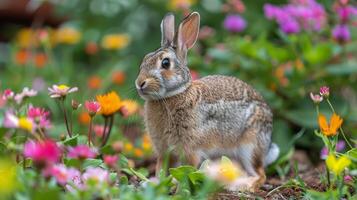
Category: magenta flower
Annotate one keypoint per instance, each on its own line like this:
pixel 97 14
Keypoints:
pixel 81 152
pixel 92 107
pixel 345 13
pixel 341 33
pixel 234 23
pixel 8 94
pixel 111 160
pixel 61 173
pixel 316 98
pixel 61 91
pixel 325 91
pixel 43 153
pixel 26 92
pixel 297 15
pixel 95 175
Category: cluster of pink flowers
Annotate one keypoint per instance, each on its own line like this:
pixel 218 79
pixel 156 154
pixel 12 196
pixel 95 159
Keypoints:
pixel 36 118
pixel 324 93
pixel 19 97
pixel 341 31
pixel 297 15
pixel 72 179
pixel 81 152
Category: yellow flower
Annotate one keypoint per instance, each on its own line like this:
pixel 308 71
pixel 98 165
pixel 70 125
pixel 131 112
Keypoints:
pixel 67 35
pixel 109 103
pixel 7 177
pixel 115 41
pixel 25 124
pixel 228 171
pixel 337 165
pixel 128 147
pixel 330 129
pixel 26 38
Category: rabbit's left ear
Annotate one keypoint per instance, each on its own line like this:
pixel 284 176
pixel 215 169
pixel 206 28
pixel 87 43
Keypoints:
pixel 187 33
pixel 167 30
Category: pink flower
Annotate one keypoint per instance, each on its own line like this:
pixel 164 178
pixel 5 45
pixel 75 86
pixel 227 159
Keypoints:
pixel 43 153
pixel 8 94
pixel 95 175
pixel 61 91
pixel 98 130
pixel 40 116
pixel 62 174
pixel 325 91
pixel 316 98
pixel 92 106
pixel 347 179
pixel 81 152
pixel 26 92
pixel 111 160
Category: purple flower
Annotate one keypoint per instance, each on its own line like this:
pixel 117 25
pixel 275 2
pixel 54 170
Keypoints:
pixel 234 23
pixel 325 91
pixel 340 146
pixel 341 33
pixel 290 26
pixel 299 14
pixel 345 13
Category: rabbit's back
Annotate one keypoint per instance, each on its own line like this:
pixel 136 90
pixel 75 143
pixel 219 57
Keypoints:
pixel 228 107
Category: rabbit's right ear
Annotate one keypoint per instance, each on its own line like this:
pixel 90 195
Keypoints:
pixel 167 30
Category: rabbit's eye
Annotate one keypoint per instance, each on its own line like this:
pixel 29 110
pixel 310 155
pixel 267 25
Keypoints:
pixel 165 63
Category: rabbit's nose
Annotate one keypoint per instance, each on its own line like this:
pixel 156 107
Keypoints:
pixel 143 84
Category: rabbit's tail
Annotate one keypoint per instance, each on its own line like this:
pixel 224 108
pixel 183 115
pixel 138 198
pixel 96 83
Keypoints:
pixel 272 155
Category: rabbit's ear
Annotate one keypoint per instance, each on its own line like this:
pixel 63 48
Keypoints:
pixel 187 33
pixel 167 30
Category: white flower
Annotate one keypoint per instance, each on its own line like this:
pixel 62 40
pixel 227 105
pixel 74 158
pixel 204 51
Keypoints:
pixel 57 91
pixel 26 92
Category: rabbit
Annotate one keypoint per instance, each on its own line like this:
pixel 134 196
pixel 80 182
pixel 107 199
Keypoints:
pixel 206 118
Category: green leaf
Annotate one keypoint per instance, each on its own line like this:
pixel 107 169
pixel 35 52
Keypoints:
pixel 181 173
pixel 46 193
pixel 72 141
pixel 92 163
pixel 196 177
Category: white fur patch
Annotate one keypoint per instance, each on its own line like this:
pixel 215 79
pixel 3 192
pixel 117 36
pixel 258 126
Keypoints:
pixel 272 155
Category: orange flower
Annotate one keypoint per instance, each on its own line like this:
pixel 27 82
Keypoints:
pixel 138 152
pixel 330 129
pixel 21 57
pixel 40 60
pixel 84 118
pixel 115 41
pixel 94 82
pixel 118 77
pixel 110 103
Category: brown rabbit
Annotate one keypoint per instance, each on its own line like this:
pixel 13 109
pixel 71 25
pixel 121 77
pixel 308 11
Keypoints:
pixel 206 118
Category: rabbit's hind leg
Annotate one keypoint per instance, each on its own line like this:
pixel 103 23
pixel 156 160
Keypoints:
pixel 251 155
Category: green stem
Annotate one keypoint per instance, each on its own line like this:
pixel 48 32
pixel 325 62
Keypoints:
pixel 65 117
pixel 90 131
pixel 341 130
pixel 107 135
